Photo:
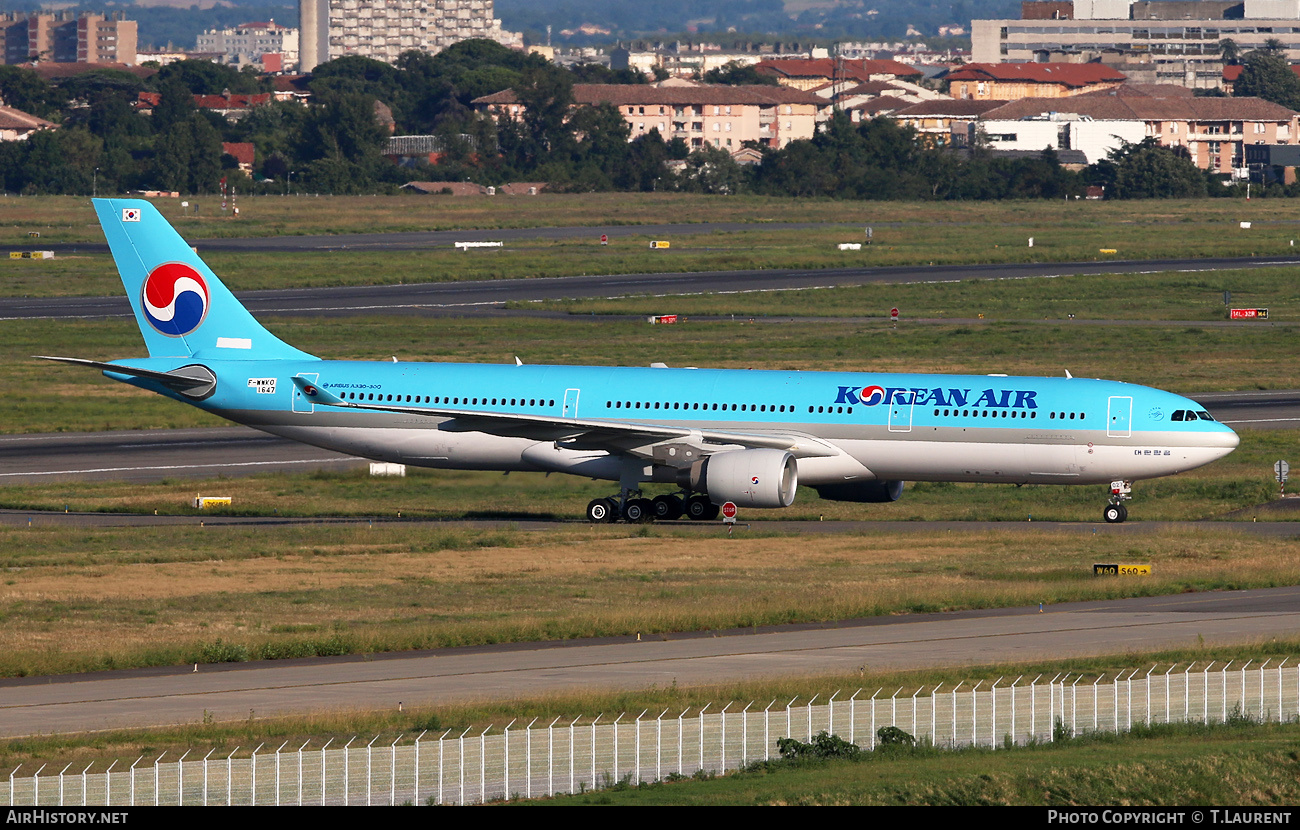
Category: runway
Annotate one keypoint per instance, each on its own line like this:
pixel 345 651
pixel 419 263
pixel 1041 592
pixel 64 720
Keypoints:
pixel 229 692
pixel 459 298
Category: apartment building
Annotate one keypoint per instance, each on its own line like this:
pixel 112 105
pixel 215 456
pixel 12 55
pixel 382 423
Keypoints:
pixel 1214 131
pixel 1010 81
pixel 1174 40
pixel 265 44
pixel 722 116
pixel 68 37
pixel 384 29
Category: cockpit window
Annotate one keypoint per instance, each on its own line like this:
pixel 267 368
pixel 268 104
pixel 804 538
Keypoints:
pixel 1204 416
pixel 1178 415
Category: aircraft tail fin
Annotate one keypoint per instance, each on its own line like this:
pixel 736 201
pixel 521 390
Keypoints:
pixel 182 308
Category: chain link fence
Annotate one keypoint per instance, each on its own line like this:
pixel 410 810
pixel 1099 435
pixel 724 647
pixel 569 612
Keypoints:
pixel 587 754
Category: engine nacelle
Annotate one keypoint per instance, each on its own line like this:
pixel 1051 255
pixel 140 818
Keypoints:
pixel 749 478
pixel 863 492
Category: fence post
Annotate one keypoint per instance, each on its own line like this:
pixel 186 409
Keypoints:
pixel 744 735
pixel 681 743
pixel 460 765
pixel 767 736
pixel 593 750
pixel 722 752
pixel 1074 706
pixel 914 694
pixel 893 707
pixel 1171 668
pixel 36 786
pixel 528 762
pixel 952 695
pixel 300 782
pixel 992 726
pixel 572 761
pixel 1261 688
pixel 505 755
pixel 808 709
pixel 229 779
pixel 347 770
pixel 482 762
pixel 1205 694
pixel 637 759
pixel 1242 672
pixel 108 786
pixel 934 715
pixel 550 757
pixel 322 771
pixel 415 783
pixel 180 780
pixel 830 713
pixel 706 706
pixel 253 800
pixel 155 778
pixel 614 727
pixel 853 717
pixel 392 771
pixel 659 746
pixel 277 773
pixel 65 769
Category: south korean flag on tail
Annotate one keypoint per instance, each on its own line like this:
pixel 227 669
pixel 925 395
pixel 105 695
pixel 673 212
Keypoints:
pixel 130 214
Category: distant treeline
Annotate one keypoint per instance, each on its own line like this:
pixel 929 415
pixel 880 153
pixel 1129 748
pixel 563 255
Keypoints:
pixel 335 144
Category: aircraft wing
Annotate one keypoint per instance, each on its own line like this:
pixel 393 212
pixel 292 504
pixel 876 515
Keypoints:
pixel 579 433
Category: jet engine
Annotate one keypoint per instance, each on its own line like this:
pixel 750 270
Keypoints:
pixel 750 478
pixel 861 491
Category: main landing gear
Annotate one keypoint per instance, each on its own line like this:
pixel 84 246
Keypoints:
pixel 632 507
pixel 1115 511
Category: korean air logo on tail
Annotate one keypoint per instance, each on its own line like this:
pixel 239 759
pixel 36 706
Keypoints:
pixel 175 299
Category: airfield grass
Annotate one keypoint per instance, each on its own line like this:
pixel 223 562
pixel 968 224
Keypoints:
pixel 72 219
pixel 911 234
pixel 89 599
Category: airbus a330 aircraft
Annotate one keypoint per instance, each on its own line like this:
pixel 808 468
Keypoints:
pixel 748 437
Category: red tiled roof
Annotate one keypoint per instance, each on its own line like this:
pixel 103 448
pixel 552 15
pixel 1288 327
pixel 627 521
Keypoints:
pixel 1131 90
pixel 1232 72
pixel 235 101
pixel 826 68
pixel 50 70
pixel 951 108
pixel 241 150
pixel 645 94
pixel 12 119
pixel 1112 108
pixel 885 103
pixel 1066 74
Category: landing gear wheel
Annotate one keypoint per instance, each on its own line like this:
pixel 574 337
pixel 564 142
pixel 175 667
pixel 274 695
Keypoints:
pixel 638 511
pixel 1115 513
pixel 600 511
pixel 699 508
pixel 667 508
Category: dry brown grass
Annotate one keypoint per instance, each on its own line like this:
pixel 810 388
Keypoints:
pixel 118 597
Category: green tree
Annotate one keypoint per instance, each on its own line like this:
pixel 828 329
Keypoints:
pixel 738 74
pixel 1147 170
pixel 1269 77
pixel 1229 51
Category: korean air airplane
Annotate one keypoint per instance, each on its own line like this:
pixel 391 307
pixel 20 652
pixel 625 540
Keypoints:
pixel 748 437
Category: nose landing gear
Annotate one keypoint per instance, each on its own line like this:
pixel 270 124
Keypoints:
pixel 1116 512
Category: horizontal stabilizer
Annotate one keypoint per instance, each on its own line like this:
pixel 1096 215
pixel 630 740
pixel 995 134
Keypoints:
pixel 187 379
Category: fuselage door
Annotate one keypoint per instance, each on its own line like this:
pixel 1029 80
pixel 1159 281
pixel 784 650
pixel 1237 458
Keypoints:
pixel 570 404
pixel 301 403
pixel 1119 418
pixel 900 411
